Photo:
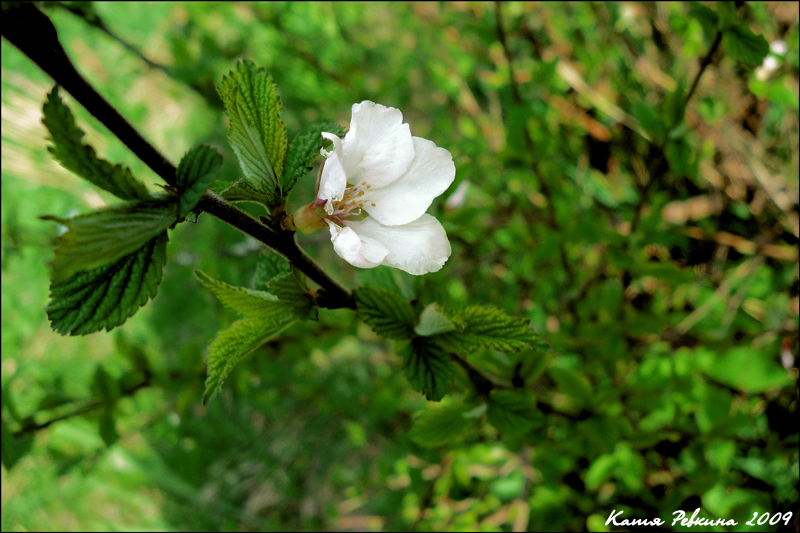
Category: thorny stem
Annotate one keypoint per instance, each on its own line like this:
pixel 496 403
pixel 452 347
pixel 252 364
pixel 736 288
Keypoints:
pixel 33 33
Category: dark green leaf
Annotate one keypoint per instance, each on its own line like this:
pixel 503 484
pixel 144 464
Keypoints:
pixel 513 412
pixel 270 265
pixel 302 152
pixel 386 312
pixel 196 171
pixel 428 369
pixel 745 46
pixel 707 18
pixel 80 158
pixel 290 289
pixel 257 132
pixel 442 426
pixel 240 191
pixel 13 449
pixel 105 297
pixel 103 236
pixel 108 427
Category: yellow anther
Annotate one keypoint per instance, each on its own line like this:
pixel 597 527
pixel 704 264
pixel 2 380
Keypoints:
pixel 360 193
pixel 373 204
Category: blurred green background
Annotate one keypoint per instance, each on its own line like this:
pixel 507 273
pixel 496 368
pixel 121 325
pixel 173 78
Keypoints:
pixel 667 287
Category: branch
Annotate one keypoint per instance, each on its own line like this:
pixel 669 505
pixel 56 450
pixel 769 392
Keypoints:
pixel 33 33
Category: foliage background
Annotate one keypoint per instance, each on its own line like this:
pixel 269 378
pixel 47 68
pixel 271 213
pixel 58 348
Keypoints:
pixel 666 287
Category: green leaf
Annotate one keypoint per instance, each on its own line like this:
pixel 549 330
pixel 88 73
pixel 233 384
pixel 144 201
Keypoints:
pixel 513 412
pixel 292 290
pixel 69 150
pixel 257 132
pixel 707 17
pixel 676 105
pixel 486 327
pixel 270 266
pixel 747 369
pixel 103 236
pixel 744 45
pixel 433 321
pixel 232 345
pixel 386 312
pixel 248 302
pixel 302 152
pixel 107 296
pixel 240 191
pixel 442 426
pixel 428 368
pixel 196 171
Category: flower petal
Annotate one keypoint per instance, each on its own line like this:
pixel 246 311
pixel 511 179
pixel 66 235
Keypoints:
pixel 408 197
pixel 363 253
pixel 333 180
pixel 378 148
pixel 418 247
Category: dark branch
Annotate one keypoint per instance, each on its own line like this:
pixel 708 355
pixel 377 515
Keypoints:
pixel 33 33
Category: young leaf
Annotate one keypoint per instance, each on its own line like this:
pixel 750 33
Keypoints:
pixel 105 235
pixel 512 412
pixel 248 302
pixel 196 171
pixel 433 321
pixel 69 150
pixel 428 368
pixel 290 289
pixel 240 191
pixel 386 312
pixel 232 345
pixel 105 297
pixel 744 45
pixel 486 327
pixel 257 132
pixel 302 152
pixel 442 426
pixel 270 266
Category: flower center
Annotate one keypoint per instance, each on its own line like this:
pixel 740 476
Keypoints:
pixel 350 206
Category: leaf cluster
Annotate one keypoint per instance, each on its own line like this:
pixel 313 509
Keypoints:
pixel 109 262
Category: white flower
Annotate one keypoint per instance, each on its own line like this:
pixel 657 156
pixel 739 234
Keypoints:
pixel 374 189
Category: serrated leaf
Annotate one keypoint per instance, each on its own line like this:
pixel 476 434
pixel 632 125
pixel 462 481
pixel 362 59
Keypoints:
pixel 433 321
pixel 69 150
pixel 744 45
pixel 270 265
pixel 196 171
pixel 428 368
pixel 239 191
pixel 233 344
pixel 107 296
pixel 486 327
pixel 290 289
pixel 302 152
pixel 386 312
pixel 100 237
pixel 512 412
pixel 248 302
pixel 442 426
pixel 257 132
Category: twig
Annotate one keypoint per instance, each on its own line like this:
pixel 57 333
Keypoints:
pixel 703 65
pixel 33 33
